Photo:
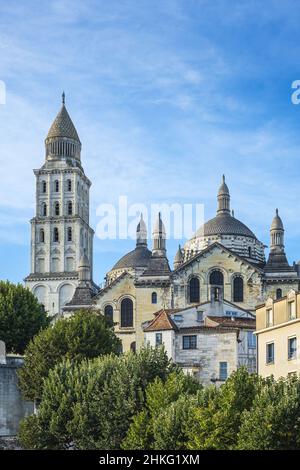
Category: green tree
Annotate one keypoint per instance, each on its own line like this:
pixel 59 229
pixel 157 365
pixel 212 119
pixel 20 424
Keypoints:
pixel 216 420
pixel 273 423
pixel 21 316
pixel 147 428
pixel 90 404
pixel 84 335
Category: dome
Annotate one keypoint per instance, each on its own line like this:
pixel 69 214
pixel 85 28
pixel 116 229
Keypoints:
pixel 277 222
pixel 137 258
pixel 224 224
pixel 63 126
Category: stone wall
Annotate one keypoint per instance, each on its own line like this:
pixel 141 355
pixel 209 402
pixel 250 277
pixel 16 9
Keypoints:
pixel 12 407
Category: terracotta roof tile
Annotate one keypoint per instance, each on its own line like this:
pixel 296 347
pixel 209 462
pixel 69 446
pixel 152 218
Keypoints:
pixel 161 322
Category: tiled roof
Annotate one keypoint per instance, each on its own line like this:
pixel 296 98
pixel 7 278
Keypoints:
pixel 137 258
pixel 224 224
pixel 231 322
pixel 161 322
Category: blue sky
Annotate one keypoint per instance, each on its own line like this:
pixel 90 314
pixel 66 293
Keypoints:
pixel 166 97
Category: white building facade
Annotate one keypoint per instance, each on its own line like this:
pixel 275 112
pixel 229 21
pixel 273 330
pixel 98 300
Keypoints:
pixel 210 340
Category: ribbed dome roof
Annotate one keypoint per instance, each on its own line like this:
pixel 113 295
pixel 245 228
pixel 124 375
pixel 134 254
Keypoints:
pixel 224 224
pixel 63 126
pixel 137 258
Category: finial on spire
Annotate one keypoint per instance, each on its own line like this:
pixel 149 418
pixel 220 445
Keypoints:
pixel 223 178
pixel 277 212
pixel 63 96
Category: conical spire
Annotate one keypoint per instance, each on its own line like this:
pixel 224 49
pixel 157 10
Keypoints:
pixel 223 198
pixel 84 270
pixel 62 139
pixel 141 233
pixel 159 238
pixel 178 258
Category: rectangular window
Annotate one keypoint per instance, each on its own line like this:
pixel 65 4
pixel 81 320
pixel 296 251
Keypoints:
pixel 269 317
pixel 292 310
pixel 189 342
pixel 158 339
pixel 292 348
pixel 270 353
pixel 223 373
pixel 200 316
pixel 251 340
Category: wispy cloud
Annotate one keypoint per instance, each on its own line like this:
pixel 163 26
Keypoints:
pixel 166 97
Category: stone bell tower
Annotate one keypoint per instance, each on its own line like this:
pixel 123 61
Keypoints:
pixel 60 230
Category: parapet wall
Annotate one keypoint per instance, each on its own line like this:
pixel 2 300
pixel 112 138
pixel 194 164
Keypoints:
pixel 12 407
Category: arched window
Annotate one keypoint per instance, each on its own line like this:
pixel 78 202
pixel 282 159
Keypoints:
pixel 69 185
pixel 109 314
pixel 70 208
pixel 154 297
pixel 69 234
pixel 249 252
pixel 278 293
pixel 42 235
pixel 44 209
pixel 216 278
pixel 55 235
pixel 44 186
pixel 194 290
pixel 56 186
pixel 56 208
pixel 238 289
pixel 126 313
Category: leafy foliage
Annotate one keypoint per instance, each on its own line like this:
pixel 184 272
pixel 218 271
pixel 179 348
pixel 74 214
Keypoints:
pixel 90 405
pixel 216 421
pixel 274 420
pixel 160 424
pixel 21 316
pixel 84 335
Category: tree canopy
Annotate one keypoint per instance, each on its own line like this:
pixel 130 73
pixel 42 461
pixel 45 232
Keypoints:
pixel 21 316
pixel 90 405
pixel 84 335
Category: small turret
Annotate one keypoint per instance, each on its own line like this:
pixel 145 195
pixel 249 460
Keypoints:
pixel 277 260
pixel 141 233
pixel 178 258
pixel 223 198
pixel 84 270
pixel 159 238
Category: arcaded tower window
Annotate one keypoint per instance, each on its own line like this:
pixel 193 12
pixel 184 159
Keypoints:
pixel 70 208
pixel 55 235
pixel 56 186
pixel 69 234
pixel 56 208
pixel 44 186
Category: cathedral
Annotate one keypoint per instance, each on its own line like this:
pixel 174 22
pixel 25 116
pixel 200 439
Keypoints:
pixel 224 260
